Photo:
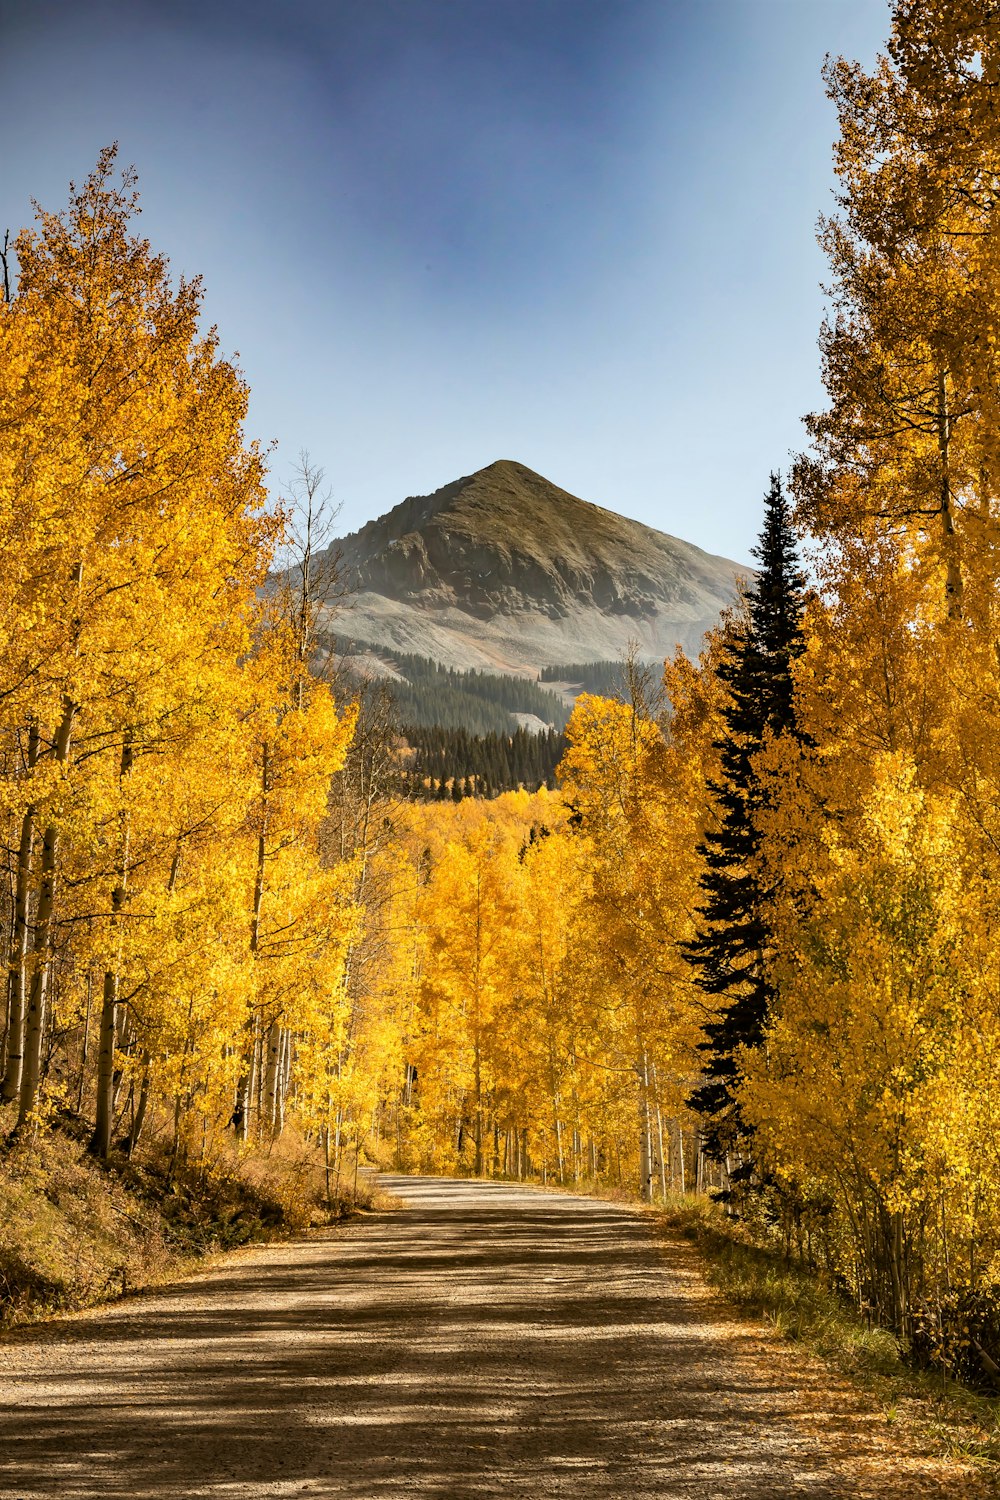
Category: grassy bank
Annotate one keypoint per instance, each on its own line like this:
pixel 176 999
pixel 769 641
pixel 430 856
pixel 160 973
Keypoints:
pixel 74 1233
pixel 944 1417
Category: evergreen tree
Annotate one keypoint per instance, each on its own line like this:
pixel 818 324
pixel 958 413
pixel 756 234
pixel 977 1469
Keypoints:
pixel 482 765
pixel 729 951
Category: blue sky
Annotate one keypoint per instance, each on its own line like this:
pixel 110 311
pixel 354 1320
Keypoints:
pixel 576 233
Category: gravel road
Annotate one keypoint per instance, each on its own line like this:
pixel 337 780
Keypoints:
pixel 481 1340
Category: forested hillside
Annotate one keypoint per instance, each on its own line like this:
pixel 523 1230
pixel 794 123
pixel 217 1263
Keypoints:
pixel 428 695
pixel 453 763
pixel 606 678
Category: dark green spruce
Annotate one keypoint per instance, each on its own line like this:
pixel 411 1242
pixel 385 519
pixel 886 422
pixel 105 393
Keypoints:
pixel 733 938
pixel 478 765
pixel 430 696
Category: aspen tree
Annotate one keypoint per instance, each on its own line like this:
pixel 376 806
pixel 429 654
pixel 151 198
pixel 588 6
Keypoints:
pixel 873 1098
pixel 141 682
pixel 623 779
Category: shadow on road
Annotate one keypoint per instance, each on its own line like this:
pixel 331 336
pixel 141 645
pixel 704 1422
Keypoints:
pixel 481 1340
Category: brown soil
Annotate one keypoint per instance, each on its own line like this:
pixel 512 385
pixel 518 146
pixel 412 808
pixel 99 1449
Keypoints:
pixel 482 1340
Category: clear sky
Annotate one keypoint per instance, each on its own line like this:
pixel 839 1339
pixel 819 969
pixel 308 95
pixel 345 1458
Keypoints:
pixel 575 233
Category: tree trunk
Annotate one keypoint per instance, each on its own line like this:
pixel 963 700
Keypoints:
pixel 953 566
pixel 645 1133
pixel 477 1165
pixel 85 1047
pixel 18 982
pixel 34 1021
pixel 100 1143
pixel 140 1111
pixel 243 1101
pixel 284 1076
pixel 272 1069
pixel 244 1088
pixel 659 1135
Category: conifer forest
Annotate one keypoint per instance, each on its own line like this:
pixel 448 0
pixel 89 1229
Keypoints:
pixel 737 933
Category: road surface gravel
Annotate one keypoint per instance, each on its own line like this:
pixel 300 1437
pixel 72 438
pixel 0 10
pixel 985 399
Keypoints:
pixel 482 1339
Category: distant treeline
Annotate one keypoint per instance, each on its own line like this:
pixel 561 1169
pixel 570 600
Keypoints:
pixel 478 702
pixel 606 679
pixel 452 762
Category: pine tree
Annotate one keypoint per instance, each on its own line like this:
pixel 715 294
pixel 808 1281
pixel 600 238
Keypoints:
pixel 728 953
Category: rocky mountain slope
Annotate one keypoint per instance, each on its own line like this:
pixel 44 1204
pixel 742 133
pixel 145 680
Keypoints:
pixel 504 571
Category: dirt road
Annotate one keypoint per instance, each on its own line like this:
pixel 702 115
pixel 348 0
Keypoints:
pixel 482 1340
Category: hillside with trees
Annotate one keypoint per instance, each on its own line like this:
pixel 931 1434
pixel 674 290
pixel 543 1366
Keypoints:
pixel 606 679
pixel 453 763
pixel 428 695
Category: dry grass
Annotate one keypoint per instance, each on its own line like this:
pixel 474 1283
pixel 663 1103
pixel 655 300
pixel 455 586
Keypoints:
pixel 74 1232
pixel 71 1235
pixel 945 1418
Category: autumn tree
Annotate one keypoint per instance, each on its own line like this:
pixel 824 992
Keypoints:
pixel 872 1097
pixel 166 753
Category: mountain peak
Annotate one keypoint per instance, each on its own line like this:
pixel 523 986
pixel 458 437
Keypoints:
pixel 504 569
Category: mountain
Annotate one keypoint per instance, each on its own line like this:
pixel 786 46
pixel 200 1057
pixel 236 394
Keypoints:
pixel 503 571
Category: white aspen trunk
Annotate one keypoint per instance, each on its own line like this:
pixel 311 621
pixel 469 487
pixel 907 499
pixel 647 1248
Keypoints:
pixel 326 1162
pixel 100 1143
pixel 85 1048
pixel 645 1136
pixel 246 1087
pixel 659 1137
pixel 18 983
pixel 141 1107
pixel 477 1124
pixel 243 1105
pixel 338 1146
pixel 953 567
pixel 5 1029
pixel 182 1098
pixel 284 1077
pixel 101 1140
pixel 34 1024
pixel 257 1096
pixel 272 1066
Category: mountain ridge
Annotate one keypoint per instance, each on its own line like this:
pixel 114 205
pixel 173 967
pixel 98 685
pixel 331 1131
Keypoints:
pixel 505 571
